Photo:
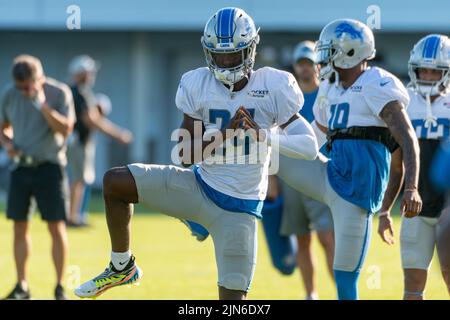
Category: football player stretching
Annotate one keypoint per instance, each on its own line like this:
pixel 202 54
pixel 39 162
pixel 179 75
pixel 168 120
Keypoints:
pixel 224 100
pixel 362 110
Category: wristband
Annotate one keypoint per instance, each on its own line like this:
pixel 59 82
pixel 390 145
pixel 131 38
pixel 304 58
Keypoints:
pixel 383 214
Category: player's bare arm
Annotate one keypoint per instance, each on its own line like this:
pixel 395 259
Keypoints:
pixel 396 173
pixel 189 124
pixel 321 127
pixel 394 114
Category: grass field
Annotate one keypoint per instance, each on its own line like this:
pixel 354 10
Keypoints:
pixel 176 266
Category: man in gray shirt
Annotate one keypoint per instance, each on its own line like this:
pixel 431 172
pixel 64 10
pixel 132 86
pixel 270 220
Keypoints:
pixel 39 113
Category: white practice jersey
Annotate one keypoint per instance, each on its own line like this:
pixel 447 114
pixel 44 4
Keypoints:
pixel 417 112
pixel 361 104
pixel 272 96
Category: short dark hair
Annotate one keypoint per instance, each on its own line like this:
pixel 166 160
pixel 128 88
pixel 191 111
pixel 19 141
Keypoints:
pixel 26 67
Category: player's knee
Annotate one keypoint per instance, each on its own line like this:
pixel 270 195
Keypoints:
pixel 109 181
pixel 415 279
pixel 112 181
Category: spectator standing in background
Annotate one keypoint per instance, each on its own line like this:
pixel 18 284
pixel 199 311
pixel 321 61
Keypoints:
pixel 40 112
pixel 301 214
pixel 81 148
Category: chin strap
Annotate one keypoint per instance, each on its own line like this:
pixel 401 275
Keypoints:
pixel 231 86
pixel 336 78
pixel 431 119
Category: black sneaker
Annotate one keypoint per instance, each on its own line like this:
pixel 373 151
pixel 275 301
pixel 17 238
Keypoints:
pixel 60 294
pixel 19 294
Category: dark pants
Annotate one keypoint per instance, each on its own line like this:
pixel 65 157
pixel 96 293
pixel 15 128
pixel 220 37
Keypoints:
pixel 47 183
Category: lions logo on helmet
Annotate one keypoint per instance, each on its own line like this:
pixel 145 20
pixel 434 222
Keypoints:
pixel 346 28
pixel 230 30
pixel 431 52
pixel 344 43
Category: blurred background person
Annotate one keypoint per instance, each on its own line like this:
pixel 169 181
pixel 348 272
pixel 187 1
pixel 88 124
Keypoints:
pixel 40 112
pixel 301 214
pixel 90 113
pixel 105 107
pixel 306 73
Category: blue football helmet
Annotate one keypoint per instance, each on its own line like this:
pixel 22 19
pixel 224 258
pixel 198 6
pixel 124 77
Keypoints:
pixel 230 30
pixel 431 52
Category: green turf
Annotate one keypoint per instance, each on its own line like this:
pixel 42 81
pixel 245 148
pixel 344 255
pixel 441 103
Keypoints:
pixel 176 266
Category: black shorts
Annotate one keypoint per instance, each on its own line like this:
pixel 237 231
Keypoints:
pixel 47 183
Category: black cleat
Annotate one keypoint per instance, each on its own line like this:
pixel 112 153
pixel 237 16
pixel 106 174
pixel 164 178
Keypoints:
pixel 19 294
pixel 60 294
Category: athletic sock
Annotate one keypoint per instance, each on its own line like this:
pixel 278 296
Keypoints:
pixel 347 284
pixel 313 296
pixel 120 259
pixel 414 293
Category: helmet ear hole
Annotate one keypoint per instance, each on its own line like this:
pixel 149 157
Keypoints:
pixel 351 53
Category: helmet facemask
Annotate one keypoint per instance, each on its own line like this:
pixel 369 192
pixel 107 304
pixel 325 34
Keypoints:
pixel 230 30
pixel 326 53
pixel 431 52
pixel 429 87
pixel 330 57
pixel 343 44
pixel 231 75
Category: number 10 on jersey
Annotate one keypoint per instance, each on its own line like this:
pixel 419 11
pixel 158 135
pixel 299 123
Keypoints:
pixel 339 116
